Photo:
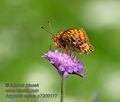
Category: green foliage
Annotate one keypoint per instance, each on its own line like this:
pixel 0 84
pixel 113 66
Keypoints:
pixel 23 42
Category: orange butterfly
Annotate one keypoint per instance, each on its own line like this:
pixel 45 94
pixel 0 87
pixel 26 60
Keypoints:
pixel 73 40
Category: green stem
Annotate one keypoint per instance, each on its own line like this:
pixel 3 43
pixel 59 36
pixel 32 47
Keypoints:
pixel 62 84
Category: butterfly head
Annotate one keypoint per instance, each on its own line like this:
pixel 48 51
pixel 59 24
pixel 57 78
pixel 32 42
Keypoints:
pixel 56 39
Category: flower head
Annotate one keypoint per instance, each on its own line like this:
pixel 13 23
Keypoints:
pixel 65 63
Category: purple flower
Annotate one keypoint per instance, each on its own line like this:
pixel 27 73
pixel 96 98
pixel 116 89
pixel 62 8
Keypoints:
pixel 65 63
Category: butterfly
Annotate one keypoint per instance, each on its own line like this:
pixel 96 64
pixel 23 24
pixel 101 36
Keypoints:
pixel 73 40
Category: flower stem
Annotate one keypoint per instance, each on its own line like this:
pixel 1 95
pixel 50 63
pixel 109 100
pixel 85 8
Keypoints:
pixel 62 84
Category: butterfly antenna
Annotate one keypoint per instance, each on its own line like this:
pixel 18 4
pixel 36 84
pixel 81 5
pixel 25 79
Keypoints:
pixel 46 30
pixel 50 26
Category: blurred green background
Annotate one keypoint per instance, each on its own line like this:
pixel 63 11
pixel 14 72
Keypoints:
pixel 23 42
